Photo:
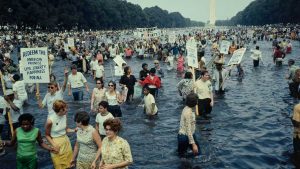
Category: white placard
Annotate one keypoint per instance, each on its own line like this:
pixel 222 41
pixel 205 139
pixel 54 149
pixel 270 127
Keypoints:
pixel 66 47
pixel 225 46
pixel 237 57
pixel 191 47
pixel 119 60
pixel 172 37
pixel 71 42
pixel 119 71
pixel 35 65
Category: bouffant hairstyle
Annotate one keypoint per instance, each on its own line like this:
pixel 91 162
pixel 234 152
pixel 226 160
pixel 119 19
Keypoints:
pixel 58 105
pixel 115 124
pixel 191 100
pixel 188 75
pixel 104 104
pixel 82 117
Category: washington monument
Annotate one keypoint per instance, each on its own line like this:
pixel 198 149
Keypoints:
pixel 212 12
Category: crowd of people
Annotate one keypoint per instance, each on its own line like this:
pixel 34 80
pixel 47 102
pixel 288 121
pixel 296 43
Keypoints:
pixel 100 146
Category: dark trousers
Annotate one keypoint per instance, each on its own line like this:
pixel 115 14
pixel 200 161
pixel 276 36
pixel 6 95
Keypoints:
pixel 255 63
pixel 296 144
pixel 183 144
pixel 204 106
pixel 294 89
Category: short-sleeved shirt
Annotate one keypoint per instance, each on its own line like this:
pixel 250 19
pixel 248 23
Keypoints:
pixel 16 114
pixel 203 89
pixel 116 151
pixel 99 70
pixel 50 99
pixel 77 80
pixel 19 88
pixel 100 120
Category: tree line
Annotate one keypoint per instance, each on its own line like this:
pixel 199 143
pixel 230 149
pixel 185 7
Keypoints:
pixel 87 14
pixel 262 12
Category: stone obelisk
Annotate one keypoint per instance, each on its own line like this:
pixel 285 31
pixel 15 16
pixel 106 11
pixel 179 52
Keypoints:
pixel 212 12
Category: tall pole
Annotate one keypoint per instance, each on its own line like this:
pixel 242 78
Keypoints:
pixel 212 12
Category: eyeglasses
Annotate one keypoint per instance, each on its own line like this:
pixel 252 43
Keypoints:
pixel 156 63
pixel 111 85
pixel 99 83
pixel 50 87
pixel 108 129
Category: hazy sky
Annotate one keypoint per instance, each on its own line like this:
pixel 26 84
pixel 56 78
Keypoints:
pixel 197 9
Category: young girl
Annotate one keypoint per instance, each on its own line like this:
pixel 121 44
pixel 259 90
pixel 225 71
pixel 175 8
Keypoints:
pixel 26 137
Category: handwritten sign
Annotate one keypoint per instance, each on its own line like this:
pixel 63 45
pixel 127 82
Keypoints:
pixel 237 57
pixel 35 66
pixel 119 60
pixel 191 47
pixel 119 71
pixel 225 47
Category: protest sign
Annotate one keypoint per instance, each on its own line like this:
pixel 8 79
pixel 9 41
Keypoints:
pixel 35 66
pixel 225 46
pixel 71 42
pixel 191 47
pixel 66 47
pixel 119 60
pixel 172 37
pixel 237 57
pixel 119 71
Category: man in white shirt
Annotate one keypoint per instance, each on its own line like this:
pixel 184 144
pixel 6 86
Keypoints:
pixel 99 71
pixel 256 56
pixel 150 107
pixel 19 89
pixel 76 82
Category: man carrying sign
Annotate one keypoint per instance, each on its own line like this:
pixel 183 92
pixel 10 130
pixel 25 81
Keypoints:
pixel 76 81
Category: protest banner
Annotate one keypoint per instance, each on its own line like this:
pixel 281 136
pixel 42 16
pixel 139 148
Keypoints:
pixel 237 57
pixel 35 66
pixel 191 47
pixel 119 60
pixel 225 46
pixel 71 42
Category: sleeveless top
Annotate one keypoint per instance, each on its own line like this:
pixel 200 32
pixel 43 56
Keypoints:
pixel 112 99
pixel 99 94
pixel 27 142
pixel 87 147
pixel 59 125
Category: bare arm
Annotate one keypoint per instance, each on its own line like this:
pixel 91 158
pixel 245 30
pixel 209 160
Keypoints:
pixel 48 126
pixel 65 80
pixel 75 153
pixel 92 100
pixel 39 139
pixel 97 140
pixel 13 140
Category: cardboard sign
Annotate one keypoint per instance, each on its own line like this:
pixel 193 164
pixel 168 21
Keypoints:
pixel 66 47
pixel 172 37
pixel 237 57
pixel 35 66
pixel 191 47
pixel 119 60
pixel 119 71
pixel 71 42
pixel 224 47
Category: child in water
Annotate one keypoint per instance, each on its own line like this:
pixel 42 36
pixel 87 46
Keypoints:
pixel 26 137
pixel 150 107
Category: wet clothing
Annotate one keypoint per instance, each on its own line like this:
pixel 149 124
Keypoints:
pixel 185 87
pixel 129 82
pixel 113 107
pixel 27 151
pixel 116 151
pixel 87 148
pixel 144 74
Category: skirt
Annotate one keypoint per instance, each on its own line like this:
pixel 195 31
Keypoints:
pixel 63 159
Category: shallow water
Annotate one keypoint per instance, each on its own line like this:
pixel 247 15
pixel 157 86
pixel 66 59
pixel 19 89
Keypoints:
pixel 250 125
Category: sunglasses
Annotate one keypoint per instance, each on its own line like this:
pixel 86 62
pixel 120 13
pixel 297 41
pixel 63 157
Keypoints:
pixel 50 87
pixel 99 83
pixel 111 85
pixel 155 63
